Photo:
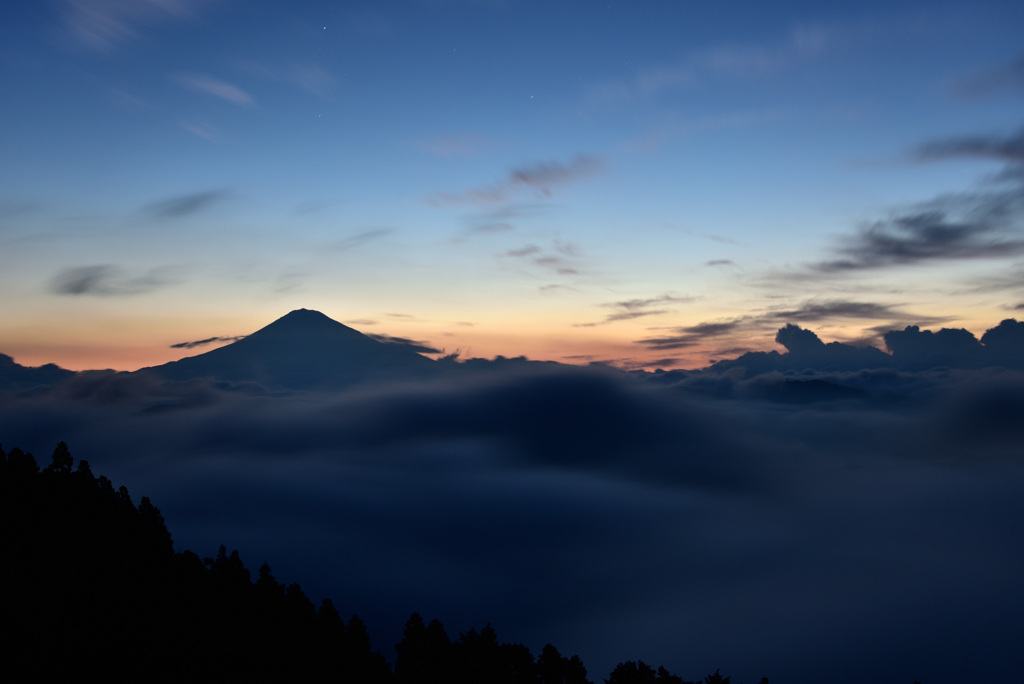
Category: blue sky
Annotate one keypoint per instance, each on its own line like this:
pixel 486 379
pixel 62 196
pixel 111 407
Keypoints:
pixel 558 180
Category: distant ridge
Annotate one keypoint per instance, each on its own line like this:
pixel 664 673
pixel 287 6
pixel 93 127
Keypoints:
pixel 14 376
pixel 303 350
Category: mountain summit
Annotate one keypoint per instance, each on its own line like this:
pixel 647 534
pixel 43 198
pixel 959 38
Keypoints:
pixel 302 350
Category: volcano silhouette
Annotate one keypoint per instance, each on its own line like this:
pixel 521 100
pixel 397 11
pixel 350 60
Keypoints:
pixel 302 350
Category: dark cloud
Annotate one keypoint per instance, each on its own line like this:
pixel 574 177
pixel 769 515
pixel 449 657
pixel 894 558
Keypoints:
pixel 560 262
pixel 1008 76
pixel 361 238
pixel 667 362
pixel 820 311
pixel 485 228
pixel 541 177
pixel 968 226
pixel 912 349
pixel 423 347
pixel 528 250
pixel 637 308
pixel 690 336
pixel 203 343
pixel 554 287
pixel 544 175
pixel 1010 149
pixel 720 262
pixel 107 280
pixel 186 205
pixel 809 311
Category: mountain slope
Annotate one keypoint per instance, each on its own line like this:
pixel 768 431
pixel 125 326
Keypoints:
pixel 302 350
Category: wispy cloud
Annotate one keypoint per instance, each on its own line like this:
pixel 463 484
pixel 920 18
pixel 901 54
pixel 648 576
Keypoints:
pixel 637 308
pixel 359 239
pixel 208 340
pixel 105 24
pixel 812 311
pixel 310 78
pixel 1008 148
pixel 18 207
pixel 208 85
pixel 732 61
pixel 503 218
pixel 542 178
pixel 528 250
pixel 453 146
pixel 415 345
pixel 203 130
pixel 107 280
pixel 186 205
pixel 1007 76
pixel 691 336
pixel 966 226
pixel 1007 281
pixel 673 130
pixel 561 259
pixel 837 308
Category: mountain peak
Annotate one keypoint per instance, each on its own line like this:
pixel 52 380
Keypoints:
pixel 304 349
pixel 304 321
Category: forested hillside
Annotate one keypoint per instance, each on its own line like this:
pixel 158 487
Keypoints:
pixel 94 586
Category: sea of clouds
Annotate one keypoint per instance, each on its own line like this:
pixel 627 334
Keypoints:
pixel 695 520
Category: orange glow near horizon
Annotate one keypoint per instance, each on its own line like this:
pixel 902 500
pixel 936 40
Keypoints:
pixel 128 344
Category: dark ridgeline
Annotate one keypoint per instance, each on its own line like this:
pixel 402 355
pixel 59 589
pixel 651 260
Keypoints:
pixel 14 376
pixel 303 350
pixel 93 587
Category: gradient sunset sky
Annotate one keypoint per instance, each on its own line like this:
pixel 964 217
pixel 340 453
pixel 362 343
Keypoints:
pixel 648 184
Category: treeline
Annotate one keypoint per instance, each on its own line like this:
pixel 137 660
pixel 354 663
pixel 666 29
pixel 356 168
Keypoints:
pixel 93 585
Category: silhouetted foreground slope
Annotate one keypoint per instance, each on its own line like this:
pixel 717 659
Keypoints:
pixel 93 587
pixel 97 588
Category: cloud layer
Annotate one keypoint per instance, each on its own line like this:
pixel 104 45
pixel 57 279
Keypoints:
pixel 831 539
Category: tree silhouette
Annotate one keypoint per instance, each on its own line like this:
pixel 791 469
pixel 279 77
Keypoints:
pixel 410 665
pixel 61 459
pixel 631 672
pixel 99 578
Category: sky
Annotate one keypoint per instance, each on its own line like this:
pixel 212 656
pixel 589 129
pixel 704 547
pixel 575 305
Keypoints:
pixel 659 186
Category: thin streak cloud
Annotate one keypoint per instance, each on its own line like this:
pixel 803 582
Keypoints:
pixel 107 280
pixel 104 26
pixel 541 177
pixel 186 205
pixel 207 341
pixel 208 85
